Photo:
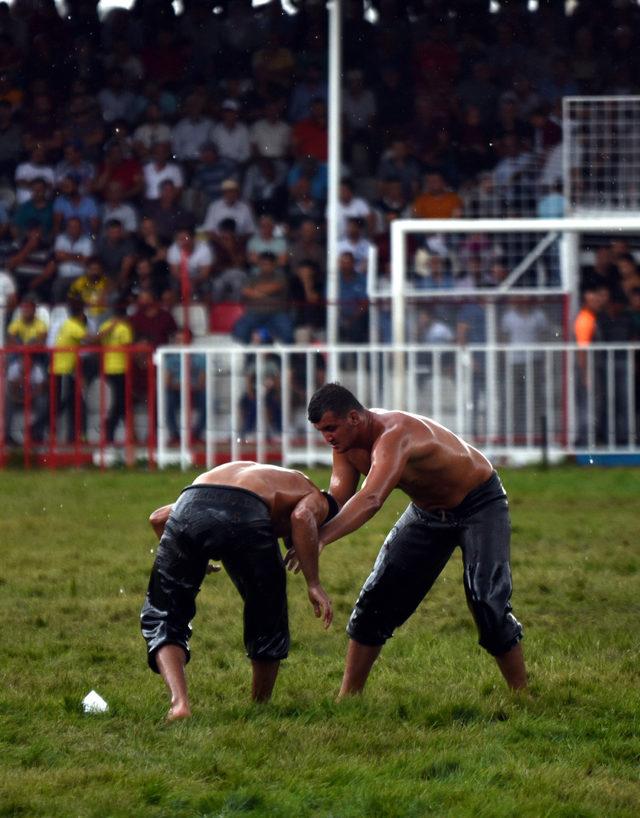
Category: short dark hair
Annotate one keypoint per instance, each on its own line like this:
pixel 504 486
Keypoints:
pixel 332 397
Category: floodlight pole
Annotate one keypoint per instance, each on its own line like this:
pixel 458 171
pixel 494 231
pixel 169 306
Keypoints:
pixel 334 158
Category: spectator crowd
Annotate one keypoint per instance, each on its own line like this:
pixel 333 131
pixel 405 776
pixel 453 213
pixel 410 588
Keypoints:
pixel 153 159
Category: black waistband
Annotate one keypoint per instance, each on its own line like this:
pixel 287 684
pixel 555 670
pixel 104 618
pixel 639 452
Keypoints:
pixel 487 492
pixel 215 487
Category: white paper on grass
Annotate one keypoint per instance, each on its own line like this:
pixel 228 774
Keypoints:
pixel 94 703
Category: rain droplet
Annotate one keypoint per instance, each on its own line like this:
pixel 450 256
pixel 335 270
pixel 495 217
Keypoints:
pixel 591 461
pixel 122 590
pixel 152 551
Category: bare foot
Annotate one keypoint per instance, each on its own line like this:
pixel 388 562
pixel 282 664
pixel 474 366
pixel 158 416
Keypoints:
pixel 178 711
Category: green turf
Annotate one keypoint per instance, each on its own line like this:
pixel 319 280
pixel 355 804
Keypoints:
pixel 436 732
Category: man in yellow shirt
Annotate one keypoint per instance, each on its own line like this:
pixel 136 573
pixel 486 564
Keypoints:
pixel 93 289
pixel 437 201
pixel 27 330
pixel 72 333
pixel 116 332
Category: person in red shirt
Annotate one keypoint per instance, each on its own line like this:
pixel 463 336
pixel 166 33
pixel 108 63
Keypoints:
pixel 116 167
pixel 151 322
pixel 310 135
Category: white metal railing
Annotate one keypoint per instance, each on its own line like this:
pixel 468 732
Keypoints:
pixel 544 400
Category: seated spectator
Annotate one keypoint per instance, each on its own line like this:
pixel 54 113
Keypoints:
pixel 120 168
pixel 8 290
pixel 231 263
pixel 271 136
pixel 351 206
pixel 603 271
pixel 273 62
pixel 264 186
pixel 196 399
pixel 192 131
pixel 359 113
pixel 308 245
pixel 433 269
pixel 151 132
pixel 307 295
pixel 36 210
pixel 353 313
pixel 437 201
pixel 230 135
pixel 71 250
pixel 151 323
pixel 265 240
pixel 209 174
pixel 229 206
pixel 266 298
pixel 474 152
pixel 115 207
pixel 305 92
pixel 10 142
pixel 40 124
pixel 432 329
pixel 149 246
pixel 36 167
pixel 116 252
pixel 115 332
pixel 302 206
pixel 85 125
pixel 160 169
pixel 71 204
pixel 309 137
pixel 116 102
pixel 628 276
pixel 316 174
pixel 32 265
pixel 394 101
pixel 190 263
pixel 513 175
pixel 95 291
pixel 397 164
pixel 73 163
pixel 391 205
pixel 72 333
pixel 27 330
pixel 354 242
pixel 167 214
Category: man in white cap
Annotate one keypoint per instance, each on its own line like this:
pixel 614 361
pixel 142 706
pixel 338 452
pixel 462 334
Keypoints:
pixel 229 206
pixel 230 135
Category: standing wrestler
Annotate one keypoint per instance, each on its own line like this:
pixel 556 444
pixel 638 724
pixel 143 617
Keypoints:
pixel 233 513
pixel 456 499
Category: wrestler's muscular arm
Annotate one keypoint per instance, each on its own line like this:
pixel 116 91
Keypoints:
pixel 388 459
pixel 304 537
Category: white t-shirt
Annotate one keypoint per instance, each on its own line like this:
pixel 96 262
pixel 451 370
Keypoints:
pixel 153 178
pixel 240 212
pixel 202 256
pixel 151 134
pixel 82 247
pixel 233 144
pixel 356 209
pixel 189 136
pixel 271 139
pixel 26 172
pixel 523 328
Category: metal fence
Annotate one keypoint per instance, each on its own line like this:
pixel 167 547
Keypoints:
pixel 514 402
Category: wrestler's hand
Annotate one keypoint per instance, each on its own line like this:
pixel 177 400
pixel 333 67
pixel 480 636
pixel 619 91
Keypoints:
pixel 321 604
pixel 213 569
pixel 291 561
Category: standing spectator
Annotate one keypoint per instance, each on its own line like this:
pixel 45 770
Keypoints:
pixel 353 320
pixel 116 208
pixel 311 88
pixel 302 206
pixel 72 250
pixel 591 379
pixel 116 252
pixel 230 135
pixel 71 204
pixel 40 125
pixel 27 330
pixel 197 392
pixel 152 248
pixel 397 164
pixel 307 294
pixel 231 263
pixel 628 276
pixel 354 242
pixel 159 169
pixel 190 263
pixel 116 332
pixel 36 167
pixel 437 201
pixel 167 213
pixel 229 206
pixel 73 163
pixel 308 246
pixel 120 168
pixel 265 240
pixel 265 296
pixel 359 112
pixel 72 333
pixel 85 125
pixel 115 101
pixel 36 210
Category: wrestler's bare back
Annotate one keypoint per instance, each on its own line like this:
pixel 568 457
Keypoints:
pixel 441 468
pixel 280 488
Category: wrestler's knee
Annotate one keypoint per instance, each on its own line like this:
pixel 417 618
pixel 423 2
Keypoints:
pixel 159 628
pixel 369 628
pixel 488 589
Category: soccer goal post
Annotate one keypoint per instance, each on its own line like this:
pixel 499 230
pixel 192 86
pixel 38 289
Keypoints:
pixel 491 262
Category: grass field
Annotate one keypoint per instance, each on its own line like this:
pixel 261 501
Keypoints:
pixel 436 733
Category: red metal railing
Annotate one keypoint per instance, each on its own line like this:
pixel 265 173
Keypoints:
pixel 35 402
